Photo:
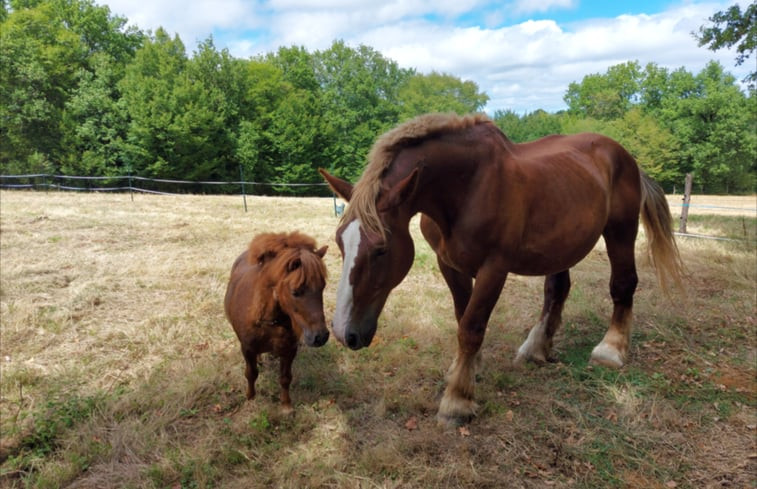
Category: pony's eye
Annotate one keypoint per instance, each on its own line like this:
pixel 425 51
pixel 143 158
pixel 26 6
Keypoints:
pixel 298 292
pixel 379 252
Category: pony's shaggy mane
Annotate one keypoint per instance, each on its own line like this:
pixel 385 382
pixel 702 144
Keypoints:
pixel 385 149
pixel 277 251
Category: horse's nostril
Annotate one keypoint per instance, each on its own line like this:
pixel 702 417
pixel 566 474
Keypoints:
pixel 352 341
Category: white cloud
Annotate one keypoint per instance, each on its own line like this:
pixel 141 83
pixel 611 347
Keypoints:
pixel 531 6
pixel 194 21
pixel 523 67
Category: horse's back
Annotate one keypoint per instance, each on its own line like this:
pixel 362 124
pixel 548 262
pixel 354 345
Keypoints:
pixel 601 155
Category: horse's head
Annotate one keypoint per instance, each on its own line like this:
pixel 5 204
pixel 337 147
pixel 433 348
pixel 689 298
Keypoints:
pixel 374 261
pixel 298 276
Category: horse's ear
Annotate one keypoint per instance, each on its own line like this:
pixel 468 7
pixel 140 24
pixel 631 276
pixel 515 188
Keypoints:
pixel 342 188
pixel 400 192
pixel 322 252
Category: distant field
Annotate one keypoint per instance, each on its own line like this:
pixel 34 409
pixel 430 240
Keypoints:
pixel 119 370
pixel 727 205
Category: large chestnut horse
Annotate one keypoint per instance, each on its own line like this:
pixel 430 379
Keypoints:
pixel 490 207
pixel 274 298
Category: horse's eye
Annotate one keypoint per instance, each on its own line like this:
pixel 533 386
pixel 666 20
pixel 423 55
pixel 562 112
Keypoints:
pixel 379 252
pixel 298 292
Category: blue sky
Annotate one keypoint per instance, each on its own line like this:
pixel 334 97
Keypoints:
pixel 522 53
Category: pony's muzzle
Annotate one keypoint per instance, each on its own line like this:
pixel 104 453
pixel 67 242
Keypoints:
pixel 318 339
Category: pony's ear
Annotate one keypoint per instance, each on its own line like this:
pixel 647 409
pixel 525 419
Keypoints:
pixel 342 188
pixel 322 252
pixel 400 192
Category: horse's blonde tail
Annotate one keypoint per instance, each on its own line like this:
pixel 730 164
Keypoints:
pixel 661 244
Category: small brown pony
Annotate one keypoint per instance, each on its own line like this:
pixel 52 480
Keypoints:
pixel 489 208
pixel 274 298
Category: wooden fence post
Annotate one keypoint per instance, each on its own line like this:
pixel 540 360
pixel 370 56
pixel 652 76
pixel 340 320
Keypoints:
pixel 686 202
pixel 241 181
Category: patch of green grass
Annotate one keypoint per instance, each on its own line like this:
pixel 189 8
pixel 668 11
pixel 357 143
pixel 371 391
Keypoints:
pixel 43 440
pixel 54 418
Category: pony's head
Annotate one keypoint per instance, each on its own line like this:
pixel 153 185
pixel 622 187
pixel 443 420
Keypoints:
pixel 377 253
pixel 296 272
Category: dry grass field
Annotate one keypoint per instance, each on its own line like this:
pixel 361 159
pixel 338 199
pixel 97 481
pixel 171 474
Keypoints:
pixel 119 370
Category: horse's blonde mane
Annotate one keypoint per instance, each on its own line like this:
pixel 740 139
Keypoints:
pixel 365 193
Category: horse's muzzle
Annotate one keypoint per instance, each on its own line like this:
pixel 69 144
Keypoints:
pixel 355 341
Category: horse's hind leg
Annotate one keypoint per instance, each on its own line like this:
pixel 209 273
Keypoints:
pixel 538 345
pixel 612 351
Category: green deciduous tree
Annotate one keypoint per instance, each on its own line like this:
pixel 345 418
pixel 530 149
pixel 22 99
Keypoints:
pixel 438 92
pixel 531 126
pixel 95 122
pixel 732 27
pixel 710 118
pixel 605 96
pixel 360 91
pixel 39 63
pixel 49 47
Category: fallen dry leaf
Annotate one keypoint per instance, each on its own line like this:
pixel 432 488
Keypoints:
pixel 464 431
pixel 411 424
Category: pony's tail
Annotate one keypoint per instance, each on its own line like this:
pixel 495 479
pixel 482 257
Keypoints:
pixel 661 244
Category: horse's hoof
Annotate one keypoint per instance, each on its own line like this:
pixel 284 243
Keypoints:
pixel 286 410
pixel 606 356
pixel 539 359
pixel 454 412
pixel 453 421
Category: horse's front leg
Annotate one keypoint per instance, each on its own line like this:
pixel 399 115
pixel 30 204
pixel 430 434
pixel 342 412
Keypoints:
pixel 460 286
pixel 457 405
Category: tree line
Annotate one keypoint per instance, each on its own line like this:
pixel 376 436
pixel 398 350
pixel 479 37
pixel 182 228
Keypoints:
pixel 83 94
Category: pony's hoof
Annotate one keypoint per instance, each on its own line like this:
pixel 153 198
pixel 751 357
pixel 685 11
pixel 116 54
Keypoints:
pixel 286 410
pixel 606 356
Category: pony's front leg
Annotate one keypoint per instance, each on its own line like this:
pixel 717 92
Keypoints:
pixel 285 379
pixel 457 405
pixel 251 369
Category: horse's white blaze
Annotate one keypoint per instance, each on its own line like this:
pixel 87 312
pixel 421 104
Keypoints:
pixel 350 243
